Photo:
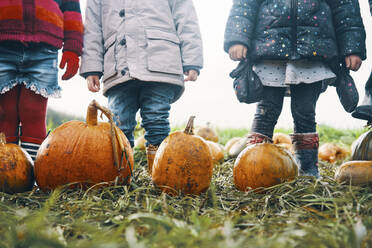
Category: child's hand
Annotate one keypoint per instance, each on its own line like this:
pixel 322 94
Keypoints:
pixel 192 75
pixel 93 83
pixel 353 62
pixel 238 52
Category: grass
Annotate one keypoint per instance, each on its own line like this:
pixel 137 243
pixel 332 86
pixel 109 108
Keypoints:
pixel 301 213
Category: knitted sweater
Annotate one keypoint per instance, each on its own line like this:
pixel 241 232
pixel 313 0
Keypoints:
pixel 55 22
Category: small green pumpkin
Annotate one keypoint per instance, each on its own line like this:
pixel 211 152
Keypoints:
pixel 362 147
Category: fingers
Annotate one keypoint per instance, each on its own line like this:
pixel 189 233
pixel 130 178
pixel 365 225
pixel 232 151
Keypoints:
pixel 93 83
pixel 238 52
pixel 353 62
pixel 191 76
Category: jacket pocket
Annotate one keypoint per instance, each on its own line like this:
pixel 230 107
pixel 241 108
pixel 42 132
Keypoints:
pixel 163 52
pixel 109 64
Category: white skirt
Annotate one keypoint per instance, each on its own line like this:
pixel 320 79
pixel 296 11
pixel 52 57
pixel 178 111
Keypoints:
pixel 278 73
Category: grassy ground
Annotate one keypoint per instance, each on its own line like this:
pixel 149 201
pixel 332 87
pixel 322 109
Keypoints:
pixel 301 213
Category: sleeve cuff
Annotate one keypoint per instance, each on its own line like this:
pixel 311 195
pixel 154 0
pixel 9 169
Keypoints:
pixel 192 67
pixel 92 73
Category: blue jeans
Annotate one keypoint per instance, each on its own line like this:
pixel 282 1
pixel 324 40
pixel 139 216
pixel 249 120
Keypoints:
pixel 303 103
pixel 154 102
pixel 34 65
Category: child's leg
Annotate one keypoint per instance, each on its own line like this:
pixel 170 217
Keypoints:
pixel 32 112
pixel 267 114
pixel 305 138
pixel 155 103
pixel 123 102
pixel 9 118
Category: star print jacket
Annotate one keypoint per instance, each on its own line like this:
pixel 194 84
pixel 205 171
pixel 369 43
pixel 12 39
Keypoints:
pixel 296 29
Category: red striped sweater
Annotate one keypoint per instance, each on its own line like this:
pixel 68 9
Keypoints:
pixel 56 22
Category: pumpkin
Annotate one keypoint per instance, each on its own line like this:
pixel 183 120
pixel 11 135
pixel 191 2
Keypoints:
pixel 140 143
pixel 354 172
pixel 238 147
pixel 207 133
pixel 283 140
pixel 88 153
pixel 16 168
pixel 331 153
pixel 230 143
pixel 183 163
pixel 262 166
pixel 362 147
pixel 216 151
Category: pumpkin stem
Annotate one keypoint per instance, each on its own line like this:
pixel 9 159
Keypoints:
pixel 92 120
pixel 190 126
pixel 2 139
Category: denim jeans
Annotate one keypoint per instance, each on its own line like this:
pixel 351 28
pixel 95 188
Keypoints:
pixel 153 99
pixel 303 103
pixel 34 65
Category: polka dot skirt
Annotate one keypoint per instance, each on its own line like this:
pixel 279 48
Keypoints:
pixel 283 73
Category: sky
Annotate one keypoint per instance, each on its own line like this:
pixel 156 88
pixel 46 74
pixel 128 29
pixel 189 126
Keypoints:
pixel 211 98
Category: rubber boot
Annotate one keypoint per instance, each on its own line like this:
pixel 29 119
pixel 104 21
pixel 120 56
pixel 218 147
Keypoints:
pixel 306 152
pixel 151 152
pixel 364 111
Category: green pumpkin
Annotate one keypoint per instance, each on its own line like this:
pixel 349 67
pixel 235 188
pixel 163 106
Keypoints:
pixel 362 147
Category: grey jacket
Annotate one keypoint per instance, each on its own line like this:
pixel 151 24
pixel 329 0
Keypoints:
pixel 141 39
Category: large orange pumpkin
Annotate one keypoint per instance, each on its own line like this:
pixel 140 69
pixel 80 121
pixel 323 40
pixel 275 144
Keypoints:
pixel 16 169
pixel 88 153
pixel 263 165
pixel 355 172
pixel 183 163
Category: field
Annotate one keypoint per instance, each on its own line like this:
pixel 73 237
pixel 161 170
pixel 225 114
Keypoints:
pixel 301 213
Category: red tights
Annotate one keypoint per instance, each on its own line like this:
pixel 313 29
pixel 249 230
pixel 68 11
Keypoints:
pixel 23 106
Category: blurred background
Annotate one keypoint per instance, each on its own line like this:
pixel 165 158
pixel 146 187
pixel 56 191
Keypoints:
pixel 211 98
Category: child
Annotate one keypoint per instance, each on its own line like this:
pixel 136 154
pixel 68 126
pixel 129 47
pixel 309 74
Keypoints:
pixel 290 44
pixel 141 49
pixel 31 32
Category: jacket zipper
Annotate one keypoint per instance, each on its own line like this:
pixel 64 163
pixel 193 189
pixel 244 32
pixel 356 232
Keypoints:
pixel 294 27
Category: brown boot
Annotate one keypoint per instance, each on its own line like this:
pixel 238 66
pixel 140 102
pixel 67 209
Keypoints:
pixel 151 152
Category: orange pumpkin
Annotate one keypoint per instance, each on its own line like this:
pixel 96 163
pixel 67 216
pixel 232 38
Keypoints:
pixel 238 147
pixel 216 151
pixel 331 153
pixel 263 165
pixel 183 162
pixel 230 143
pixel 283 140
pixel 207 133
pixel 86 153
pixel 16 168
pixel 355 173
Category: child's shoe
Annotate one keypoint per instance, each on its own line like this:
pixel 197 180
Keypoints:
pixel 306 151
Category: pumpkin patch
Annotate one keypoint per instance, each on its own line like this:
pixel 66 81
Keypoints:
pixel 88 152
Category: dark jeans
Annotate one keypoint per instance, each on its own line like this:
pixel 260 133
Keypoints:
pixel 154 102
pixel 303 102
